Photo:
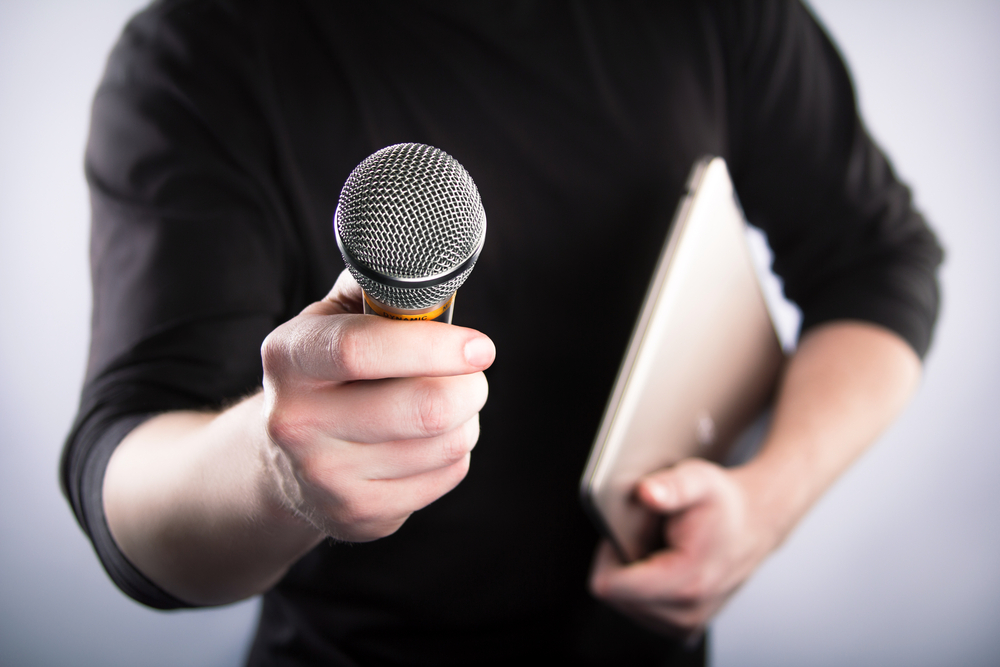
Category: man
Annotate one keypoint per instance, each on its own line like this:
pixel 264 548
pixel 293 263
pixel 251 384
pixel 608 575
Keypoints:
pixel 207 467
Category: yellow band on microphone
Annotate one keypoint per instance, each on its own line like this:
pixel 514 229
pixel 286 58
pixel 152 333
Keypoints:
pixel 429 314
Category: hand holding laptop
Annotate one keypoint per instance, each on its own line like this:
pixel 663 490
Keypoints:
pixel 845 383
pixel 683 533
pixel 713 547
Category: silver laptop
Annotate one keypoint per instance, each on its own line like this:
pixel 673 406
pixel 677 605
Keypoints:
pixel 700 368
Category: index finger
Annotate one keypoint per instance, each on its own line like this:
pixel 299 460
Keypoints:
pixel 664 577
pixel 343 348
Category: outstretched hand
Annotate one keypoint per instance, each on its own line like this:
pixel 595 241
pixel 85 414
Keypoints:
pixel 362 421
pixel 714 542
pixel 371 419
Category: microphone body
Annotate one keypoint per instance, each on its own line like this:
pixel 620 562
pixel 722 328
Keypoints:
pixel 441 312
pixel 410 225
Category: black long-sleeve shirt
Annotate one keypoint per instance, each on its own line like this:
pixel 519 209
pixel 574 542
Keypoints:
pixel 221 135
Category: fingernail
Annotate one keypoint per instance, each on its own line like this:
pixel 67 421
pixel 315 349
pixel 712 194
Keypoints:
pixel 659 493
pixel 480 351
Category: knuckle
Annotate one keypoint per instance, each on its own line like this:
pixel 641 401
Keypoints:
pixel 285 426
pixel 458 444
pixel 433 408
pixel 273 355
pixel 452 449
pixel 350 349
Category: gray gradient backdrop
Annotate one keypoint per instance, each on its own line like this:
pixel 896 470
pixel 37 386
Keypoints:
pixel 898 565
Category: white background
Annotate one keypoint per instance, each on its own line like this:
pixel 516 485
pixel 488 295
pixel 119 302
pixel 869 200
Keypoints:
pixel 898 565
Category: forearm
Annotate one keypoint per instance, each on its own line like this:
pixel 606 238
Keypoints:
pixel 192 500
pixel 841 389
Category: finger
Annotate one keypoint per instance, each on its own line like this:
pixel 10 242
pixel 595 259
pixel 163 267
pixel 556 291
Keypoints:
pixel 375 411
pixel 679 487
pixel 346 465
pixel 378 508
pixel 418 491
pixel 364 347
pixel 606 563
pixel 409 458
pixel 667 578
pixel 344 297
pixel 404 408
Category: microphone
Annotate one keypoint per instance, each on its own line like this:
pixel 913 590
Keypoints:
pixel 410 225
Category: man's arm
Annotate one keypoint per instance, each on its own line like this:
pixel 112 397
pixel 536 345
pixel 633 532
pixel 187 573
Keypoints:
pixel 842 387
pixel 362 421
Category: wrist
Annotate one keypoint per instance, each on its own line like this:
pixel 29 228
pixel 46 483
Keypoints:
pixel 777 496
pixel 278 495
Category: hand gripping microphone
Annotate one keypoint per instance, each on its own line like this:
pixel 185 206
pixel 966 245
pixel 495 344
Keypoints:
pixel 410 225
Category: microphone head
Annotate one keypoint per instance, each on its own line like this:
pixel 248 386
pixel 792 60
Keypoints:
pixel 410 225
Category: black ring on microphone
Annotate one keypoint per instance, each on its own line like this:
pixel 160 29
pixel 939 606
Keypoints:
pixel 407 283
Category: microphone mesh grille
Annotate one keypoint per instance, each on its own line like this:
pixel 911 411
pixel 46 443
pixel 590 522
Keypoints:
pixel 410 211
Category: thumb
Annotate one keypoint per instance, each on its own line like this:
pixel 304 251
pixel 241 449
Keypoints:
pixel 679 487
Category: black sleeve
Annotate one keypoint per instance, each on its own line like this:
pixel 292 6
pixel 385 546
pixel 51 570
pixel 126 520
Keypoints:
pixel 847 241
pixel 189 250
